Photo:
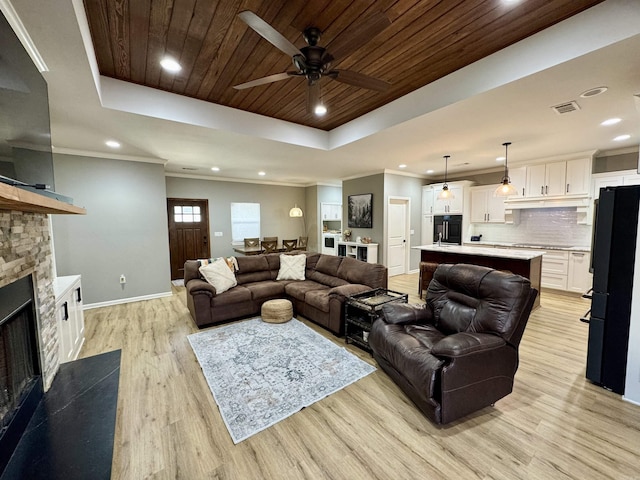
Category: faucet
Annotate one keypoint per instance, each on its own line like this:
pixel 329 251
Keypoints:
pixel 439 239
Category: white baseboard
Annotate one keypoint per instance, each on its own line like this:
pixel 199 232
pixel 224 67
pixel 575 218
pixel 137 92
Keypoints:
pixel 627 399
pixel 417 270
pixel 120 301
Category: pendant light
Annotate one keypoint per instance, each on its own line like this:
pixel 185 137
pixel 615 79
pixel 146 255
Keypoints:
pixel 445 193
pixel 505 189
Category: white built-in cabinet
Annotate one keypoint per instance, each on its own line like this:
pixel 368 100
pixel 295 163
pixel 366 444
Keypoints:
pixel 366 252
pixel 427 200
pixel 452 205
pixel 331 211
pixel 485 207
pixel 518 177
pixel 613 179
pixel 69 316
pixel 556 179
pixel 579 279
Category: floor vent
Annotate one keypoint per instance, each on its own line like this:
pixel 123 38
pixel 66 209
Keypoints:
pixel 566 107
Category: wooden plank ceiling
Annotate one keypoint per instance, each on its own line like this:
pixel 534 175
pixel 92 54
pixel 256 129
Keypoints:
pixel 426 40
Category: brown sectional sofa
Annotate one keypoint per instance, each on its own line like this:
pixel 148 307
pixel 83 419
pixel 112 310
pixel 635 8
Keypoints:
pixel 329 280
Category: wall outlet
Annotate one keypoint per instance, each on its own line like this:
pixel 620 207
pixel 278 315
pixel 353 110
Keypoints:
pixel 123 279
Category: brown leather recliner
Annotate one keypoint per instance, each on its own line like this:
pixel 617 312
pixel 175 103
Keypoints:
pixel 457 353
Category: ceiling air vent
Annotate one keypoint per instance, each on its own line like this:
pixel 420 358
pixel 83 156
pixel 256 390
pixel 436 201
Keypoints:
pixel 571 106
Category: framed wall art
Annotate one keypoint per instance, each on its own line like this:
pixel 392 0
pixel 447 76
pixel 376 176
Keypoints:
pixel 359 211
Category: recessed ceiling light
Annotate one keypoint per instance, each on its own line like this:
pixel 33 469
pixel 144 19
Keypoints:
pixel 262 174
pixel 112 144
pixel 215 169
pixel 170 65
pixel 620 138
pixel 500 159
pixel 610 121
pixel 402 165
pixel 320 110
pixel 429 171
pixel 592 92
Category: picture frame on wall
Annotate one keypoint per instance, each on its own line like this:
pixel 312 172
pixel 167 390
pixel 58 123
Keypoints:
pixel 360 211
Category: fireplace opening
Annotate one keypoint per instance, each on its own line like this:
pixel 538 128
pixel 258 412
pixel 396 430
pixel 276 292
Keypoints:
pixel 20 374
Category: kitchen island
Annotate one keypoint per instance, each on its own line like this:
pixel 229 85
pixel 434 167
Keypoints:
pixel 527 263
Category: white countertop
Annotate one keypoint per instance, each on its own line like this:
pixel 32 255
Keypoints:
pixel 517 254
pixel 535 246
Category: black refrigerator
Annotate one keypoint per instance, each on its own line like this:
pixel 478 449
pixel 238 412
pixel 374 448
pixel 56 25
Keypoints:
pixel 613 260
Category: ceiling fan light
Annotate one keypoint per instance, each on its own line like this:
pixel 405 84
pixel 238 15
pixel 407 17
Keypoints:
pixel 170 65
pixel 320 110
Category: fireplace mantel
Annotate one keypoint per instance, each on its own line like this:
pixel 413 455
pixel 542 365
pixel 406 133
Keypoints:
pixel 13 198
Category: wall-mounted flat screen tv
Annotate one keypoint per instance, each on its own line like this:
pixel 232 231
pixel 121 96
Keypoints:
pixel 26 160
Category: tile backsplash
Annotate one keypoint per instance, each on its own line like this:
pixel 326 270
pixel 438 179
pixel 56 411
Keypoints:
pixel 547 226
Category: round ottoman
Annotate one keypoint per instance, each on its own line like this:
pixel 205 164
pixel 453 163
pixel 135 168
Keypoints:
pixel 277 311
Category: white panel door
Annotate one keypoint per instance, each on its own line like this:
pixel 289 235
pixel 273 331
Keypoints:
pixel 396 241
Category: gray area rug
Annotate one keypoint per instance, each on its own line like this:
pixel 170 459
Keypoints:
pixel 261 373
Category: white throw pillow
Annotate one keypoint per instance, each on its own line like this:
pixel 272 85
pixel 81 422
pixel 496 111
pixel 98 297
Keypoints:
pixel 292 267
pixel 218 274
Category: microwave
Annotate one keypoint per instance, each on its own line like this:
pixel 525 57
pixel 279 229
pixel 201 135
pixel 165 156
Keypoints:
pixel 330 243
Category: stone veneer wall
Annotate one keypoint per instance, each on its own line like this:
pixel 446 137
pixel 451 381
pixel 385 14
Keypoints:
pixel 25 249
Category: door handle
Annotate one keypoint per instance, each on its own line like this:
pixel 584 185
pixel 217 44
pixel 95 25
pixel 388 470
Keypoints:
pixel 542 190
pixel 567 188
pixel 546 189
pixel 66 311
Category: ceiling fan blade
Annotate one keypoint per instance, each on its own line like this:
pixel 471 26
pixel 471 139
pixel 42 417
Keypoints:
pixel 269 33
pixel 359 80
pixel 264 80
pixel 313 96
pixel 357 35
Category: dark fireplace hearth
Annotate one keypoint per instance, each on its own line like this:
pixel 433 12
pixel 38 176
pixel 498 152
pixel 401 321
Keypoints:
pixel 20 375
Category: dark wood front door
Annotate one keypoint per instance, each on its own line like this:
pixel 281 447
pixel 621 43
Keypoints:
pixel 188 232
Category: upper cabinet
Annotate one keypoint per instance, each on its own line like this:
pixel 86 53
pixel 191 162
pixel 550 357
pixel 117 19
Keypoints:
pixel 485 207
pixel 559 178
pixel 427 200
pixel 613 179
pixel 331 211
pixel 452 205
pixel 518 177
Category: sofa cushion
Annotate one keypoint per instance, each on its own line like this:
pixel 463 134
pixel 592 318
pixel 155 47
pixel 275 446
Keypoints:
pixel 357 271
pixel 237 294
pixel 329 264
pixel 218 274
pixel 318 299
pixel 323 278
pixel 253 268
pixel 266 289
pixel 292 267
pixel 298 290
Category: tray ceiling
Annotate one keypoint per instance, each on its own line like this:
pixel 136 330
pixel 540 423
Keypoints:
pixel 426 40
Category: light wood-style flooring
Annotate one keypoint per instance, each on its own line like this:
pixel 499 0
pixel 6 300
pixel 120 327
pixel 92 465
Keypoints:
pixel 555 425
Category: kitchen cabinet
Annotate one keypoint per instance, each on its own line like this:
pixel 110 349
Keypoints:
pixel 485 207
pixel 427 230
pixel 69 316
pixel 331 211
pixel 452 205
pixel 579 279
pixel 555 179
pixel 578 176
pixel 555 269
pixel 427 200
pixel 613 179
pixel 518 177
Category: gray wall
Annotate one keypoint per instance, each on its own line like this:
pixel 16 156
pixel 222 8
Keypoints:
pixel 312 214
pixel 124 231
pixel 411 187
pixel 275 202
pixel 372 184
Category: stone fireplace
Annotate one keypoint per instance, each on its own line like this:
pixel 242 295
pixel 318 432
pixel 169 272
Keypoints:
pixel 25 250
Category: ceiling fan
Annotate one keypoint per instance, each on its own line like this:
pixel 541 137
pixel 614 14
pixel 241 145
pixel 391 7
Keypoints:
pixel 314 62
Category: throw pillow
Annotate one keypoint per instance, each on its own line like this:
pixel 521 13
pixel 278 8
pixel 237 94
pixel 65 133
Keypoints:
pixel 292 267
pixel 218 274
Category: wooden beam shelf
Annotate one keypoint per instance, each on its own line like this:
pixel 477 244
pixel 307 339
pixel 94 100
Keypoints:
pixel 13 198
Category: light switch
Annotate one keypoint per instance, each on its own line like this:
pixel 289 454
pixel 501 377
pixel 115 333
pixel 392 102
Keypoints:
pixel 413 231
pixel 217 234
